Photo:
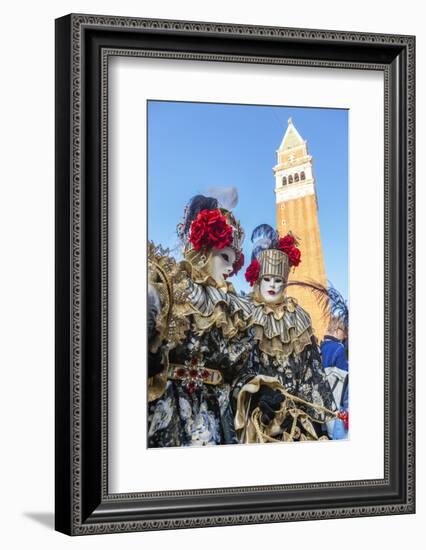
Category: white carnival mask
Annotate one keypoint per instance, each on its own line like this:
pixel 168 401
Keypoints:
pixel 271 288
pixel 221 263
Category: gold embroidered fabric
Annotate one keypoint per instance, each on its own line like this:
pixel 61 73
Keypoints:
pixel 242 422
pixel 157 385
pixel 250 428
pixel 275 347
pixel 196 265
pixel 191 300
pixel 278 308
pixel 220 318
pixel 281 328
pixel 170 279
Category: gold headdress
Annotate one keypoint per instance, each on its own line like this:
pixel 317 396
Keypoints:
pixel 275 263
pixel 272 255
pixel 207 226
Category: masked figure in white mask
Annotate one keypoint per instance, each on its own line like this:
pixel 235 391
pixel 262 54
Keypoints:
pixel 197 328
pixel 282 393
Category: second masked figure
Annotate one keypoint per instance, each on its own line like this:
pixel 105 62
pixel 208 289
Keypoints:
pixel 282 393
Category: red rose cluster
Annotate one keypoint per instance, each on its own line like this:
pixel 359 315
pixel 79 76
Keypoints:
pixel 287 245
pixel 210 230
pixel 252 272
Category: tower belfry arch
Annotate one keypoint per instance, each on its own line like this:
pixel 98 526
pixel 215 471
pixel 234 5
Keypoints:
pixel 297 211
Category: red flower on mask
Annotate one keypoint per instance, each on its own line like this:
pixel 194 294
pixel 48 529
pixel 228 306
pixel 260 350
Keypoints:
pixel 252 272
pixel 287 242
pixel 294 256
pixel 210 230
pixel 287 245
pixel 238 264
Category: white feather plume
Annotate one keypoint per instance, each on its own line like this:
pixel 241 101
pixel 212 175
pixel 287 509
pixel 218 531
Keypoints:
pixel 226 196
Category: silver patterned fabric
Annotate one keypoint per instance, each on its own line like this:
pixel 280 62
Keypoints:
pixel 205 299
pixel 298 319
pixel 274 263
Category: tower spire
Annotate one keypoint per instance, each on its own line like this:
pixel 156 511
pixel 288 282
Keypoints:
pixel 291 138
pixel 297 211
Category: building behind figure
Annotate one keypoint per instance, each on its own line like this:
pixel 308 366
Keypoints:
pixel 297 211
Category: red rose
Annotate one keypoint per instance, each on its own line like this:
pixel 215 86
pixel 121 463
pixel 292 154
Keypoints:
pixel 211 230
pixel 220 234
pixel 287 242
pixel 252 272
pixel 239 264
pixel 210 217
pixel 198 235
pixel 294 256
pixel 287 245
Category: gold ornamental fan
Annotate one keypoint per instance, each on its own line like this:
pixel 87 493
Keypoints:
pixel 170 279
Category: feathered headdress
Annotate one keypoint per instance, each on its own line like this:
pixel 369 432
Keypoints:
pixel 263 237
pixel 208 223
pixel 271 254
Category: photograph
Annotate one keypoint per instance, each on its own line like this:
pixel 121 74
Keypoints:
pixel 248 306
pixel 234 220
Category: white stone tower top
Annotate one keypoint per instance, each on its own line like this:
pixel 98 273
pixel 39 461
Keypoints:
pixel 293 172
pixel 291 138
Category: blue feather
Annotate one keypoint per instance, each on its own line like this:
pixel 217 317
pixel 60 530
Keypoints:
pixel 263 237
pixel 264 231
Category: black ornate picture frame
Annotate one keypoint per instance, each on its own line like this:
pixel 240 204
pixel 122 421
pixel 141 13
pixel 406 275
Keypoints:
pixel 84 43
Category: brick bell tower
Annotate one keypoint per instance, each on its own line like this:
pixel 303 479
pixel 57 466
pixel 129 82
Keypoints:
pixel 297 211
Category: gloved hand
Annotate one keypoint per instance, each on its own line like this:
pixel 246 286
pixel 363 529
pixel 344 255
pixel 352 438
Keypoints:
pixel 155 366
pixel 269 402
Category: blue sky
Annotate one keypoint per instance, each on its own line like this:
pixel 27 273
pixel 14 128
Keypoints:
pixel 194 146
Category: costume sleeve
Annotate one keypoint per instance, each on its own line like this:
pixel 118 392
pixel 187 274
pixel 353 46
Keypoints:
pixel 244 375
pixel 341 359
pixel 314 386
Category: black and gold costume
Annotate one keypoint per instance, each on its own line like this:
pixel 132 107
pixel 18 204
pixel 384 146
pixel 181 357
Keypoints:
pixel 200 342
pixel 284 357
pixel 282 393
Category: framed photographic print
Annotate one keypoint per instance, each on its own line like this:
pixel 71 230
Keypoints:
pixel 234 274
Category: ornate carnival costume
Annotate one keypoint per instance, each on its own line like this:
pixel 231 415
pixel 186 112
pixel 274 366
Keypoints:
pixel 282 393
pixel 198 340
